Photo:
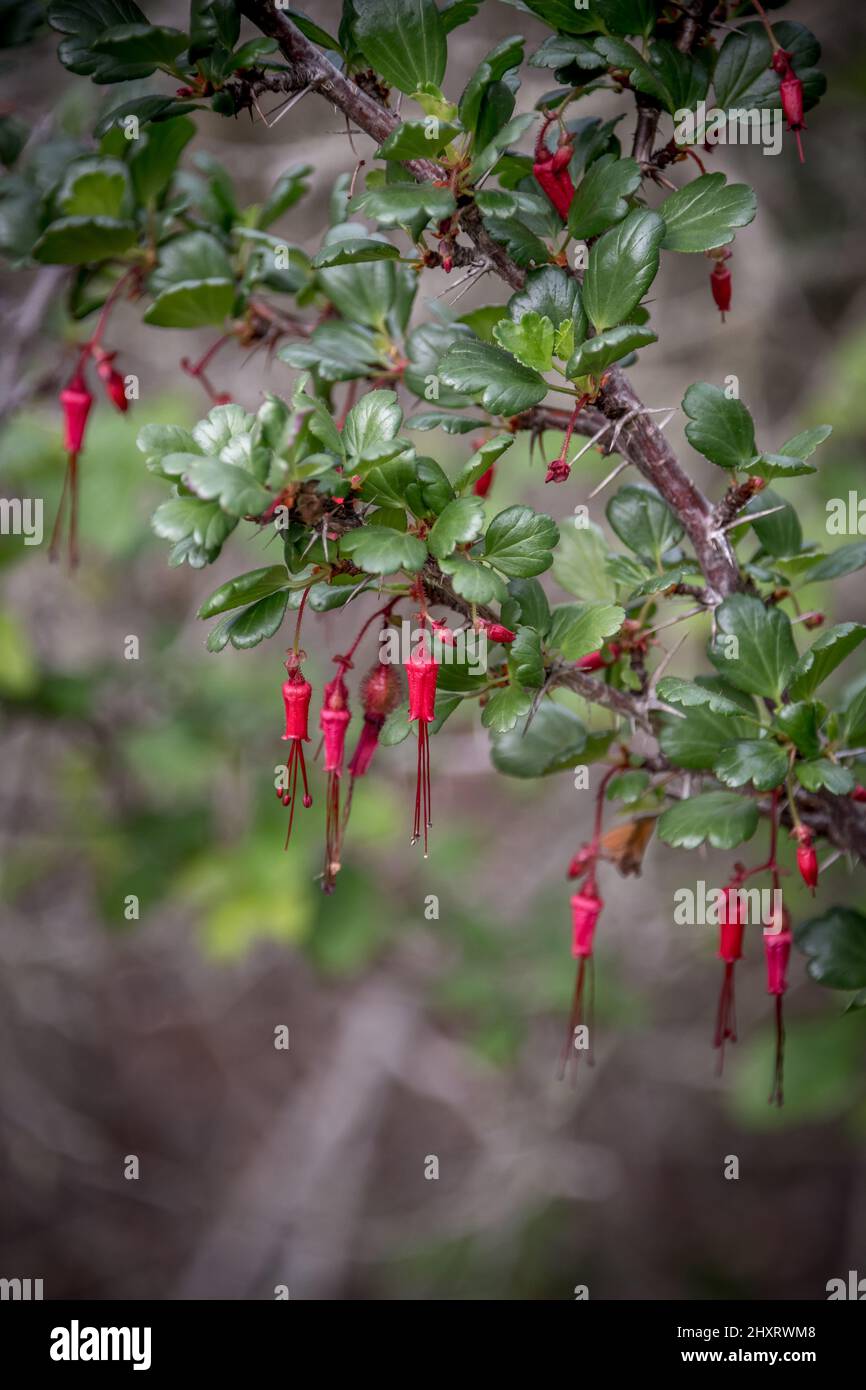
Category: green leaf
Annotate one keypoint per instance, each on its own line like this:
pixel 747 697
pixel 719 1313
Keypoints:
pixel 724 819
pixel 820 773
pixel 80 240
pixel 553 742
pixel 444 420
pixel 619 54
pixel 419 139
pixel 224 423
pixel 607 347
pixel 501 384
pixel 363 294
pixel 778 466
pixel 622 266
pixel 502 59
pixel 705 213
pixel 601 197
pixel 842 561
pixel 643 521
pixel 560 52
pixel 213 23
pixel 145 110
pixel 288 189
pixel 481 460
pixel 576 629
pixel 519 542
pixel 803 445
pixel 192 305
pixel 504 708
pixel 381 550
pixel 312 30
pixel 530 340
pixel 627 16
pixel 527 604
pixel 552 294
pixel 801 721
pixel 354 252
pixel 835 946
pixel 95 188
pixel 197 528
pixel 696 741
pixel 690 695
pixel 684 76
pixel 252 625
pixel 781 533
pixel 392 203
pixel 374 420
pixel 461 521
pixel 83 23
pixel 826 653
pixel 473 581
pixel 757 760
pixel 404 40
pixel 245 588
pixel 156 154
pixel 136 44
pixel 236 490
pixel 720 429
pixel 525 661
pixel 431 490
pixel 580 563
pixel 762 655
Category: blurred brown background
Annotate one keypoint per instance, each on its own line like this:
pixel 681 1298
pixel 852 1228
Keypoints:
pixel 409 1037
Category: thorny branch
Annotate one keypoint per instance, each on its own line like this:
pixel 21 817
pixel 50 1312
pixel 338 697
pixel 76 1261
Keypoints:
pixel 640 440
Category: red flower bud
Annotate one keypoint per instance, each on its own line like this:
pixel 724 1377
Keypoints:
pixel 333 721
pixel 858 794
pixel 593 661
pixel 76 401
pixel 114 384
pixel 497 632
pixel 721 284
pixel 791 95
pixel 482 485
pixel 557 471
pixel 585 909
pixel 807 859
pixel 777 951
pixel 582 861
pixel 555 179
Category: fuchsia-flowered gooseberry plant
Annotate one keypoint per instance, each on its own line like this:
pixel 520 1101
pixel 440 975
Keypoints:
pixel 363 475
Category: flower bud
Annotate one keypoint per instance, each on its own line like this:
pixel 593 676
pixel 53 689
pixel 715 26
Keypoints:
pixel 76 401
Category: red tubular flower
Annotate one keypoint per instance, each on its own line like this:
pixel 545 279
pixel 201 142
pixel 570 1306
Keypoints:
pixel 421 672
pixel 482 485
pixel 114 384
pixel 76 401
pixel 777 950
pixel 721 285
pixel 296 698
pixel 730 951
pixel 593 661
pixel 333 722
pixel 586 907
pixel 791 95
pixel 551 171
pixel 380 694
pixel 807 859
pixel 497 632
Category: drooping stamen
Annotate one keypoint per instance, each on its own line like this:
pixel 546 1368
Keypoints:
pixel 730 951
pixel 586 906
pixel 421 672
pixel 777 949
pixel 333 721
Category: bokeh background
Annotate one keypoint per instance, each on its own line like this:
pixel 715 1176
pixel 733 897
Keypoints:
pixel 408 1037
